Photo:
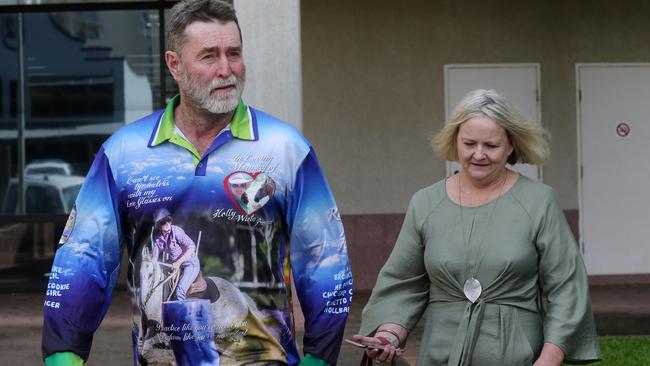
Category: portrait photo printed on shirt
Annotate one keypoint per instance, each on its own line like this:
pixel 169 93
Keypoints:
pixel 249 191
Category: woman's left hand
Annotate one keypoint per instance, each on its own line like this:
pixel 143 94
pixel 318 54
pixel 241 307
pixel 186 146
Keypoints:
pixel 551 355
pixel 389 354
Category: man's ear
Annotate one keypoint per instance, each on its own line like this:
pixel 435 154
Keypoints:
pixel 173 61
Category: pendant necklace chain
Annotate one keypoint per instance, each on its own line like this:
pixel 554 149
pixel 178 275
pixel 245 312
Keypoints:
pixel 472 287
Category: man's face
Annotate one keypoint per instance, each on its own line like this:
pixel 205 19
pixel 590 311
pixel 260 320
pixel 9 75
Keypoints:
pixel 212 71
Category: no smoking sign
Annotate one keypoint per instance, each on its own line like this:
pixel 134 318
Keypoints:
pixel 622 129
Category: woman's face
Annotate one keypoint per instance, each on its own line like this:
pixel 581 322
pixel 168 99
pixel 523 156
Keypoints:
pixel 483 149
pixel 238 188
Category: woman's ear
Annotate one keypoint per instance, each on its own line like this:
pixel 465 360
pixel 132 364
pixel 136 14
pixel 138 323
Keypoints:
pixel 513 156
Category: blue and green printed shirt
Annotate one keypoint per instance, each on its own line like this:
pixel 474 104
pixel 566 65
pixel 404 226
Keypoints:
pixel 258 209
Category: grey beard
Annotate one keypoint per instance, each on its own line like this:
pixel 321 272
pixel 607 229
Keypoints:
pixel 215 105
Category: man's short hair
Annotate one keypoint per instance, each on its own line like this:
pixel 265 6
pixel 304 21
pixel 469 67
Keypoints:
pixel 186 12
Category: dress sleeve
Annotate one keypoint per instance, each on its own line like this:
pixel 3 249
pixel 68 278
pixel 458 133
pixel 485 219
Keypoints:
pixel 402 290
pixel 86 266
pixel 319 260
pixel 568 319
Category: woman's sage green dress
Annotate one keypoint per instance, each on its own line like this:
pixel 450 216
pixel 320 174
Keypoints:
pixel 524 255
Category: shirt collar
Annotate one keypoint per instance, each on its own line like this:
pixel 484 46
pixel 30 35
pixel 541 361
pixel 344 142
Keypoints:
pixel 242 126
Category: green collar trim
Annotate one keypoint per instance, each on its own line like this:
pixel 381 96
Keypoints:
pixel 165 128
pixel 243 126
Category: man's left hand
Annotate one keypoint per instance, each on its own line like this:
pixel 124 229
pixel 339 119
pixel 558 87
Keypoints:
pixel 310 360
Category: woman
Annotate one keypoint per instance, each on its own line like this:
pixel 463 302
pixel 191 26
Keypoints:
pixel 487 254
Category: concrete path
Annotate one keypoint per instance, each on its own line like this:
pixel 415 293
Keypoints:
pixel 618 310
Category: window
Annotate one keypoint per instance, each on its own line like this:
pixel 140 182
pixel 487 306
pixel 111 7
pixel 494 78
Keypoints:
pixel 70 195
pixel 89 67
pixel 9 30
pixel 13 98
pixel 43 200
pixel 105 73
pixel 70 97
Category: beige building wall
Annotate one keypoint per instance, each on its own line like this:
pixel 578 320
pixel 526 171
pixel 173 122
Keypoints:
pixel 373 81
pixel 271 35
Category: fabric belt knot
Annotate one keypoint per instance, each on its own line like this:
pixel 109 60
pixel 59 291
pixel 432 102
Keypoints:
pixel 468 330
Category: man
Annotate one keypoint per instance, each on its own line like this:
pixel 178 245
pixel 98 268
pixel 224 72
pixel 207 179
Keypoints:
pixel 181 159
pixel 178 251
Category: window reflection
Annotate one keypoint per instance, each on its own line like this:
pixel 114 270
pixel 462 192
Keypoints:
pixel 50 188
pixel 85 75
pixel 9 31
pixel 83 26
pixel 36 2
pixel 67 97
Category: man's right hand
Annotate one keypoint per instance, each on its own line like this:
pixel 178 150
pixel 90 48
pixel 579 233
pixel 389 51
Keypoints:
pixel 64 359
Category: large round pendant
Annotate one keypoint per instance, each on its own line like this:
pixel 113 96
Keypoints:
pixel 472 289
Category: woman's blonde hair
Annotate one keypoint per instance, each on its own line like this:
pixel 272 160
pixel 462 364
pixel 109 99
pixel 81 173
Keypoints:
pixel 529 141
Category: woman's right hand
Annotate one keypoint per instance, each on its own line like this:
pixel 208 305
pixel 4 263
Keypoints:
pixel 389 354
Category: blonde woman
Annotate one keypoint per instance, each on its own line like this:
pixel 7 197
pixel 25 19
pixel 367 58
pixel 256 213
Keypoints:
pixel 487 254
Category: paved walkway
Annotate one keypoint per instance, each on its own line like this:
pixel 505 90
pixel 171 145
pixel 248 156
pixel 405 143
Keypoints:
pixel 618 310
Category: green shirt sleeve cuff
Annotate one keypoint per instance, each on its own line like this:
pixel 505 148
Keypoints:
pixel 64 359
pixel 310 360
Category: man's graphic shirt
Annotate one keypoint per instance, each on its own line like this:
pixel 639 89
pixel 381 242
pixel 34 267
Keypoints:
pixel 257 208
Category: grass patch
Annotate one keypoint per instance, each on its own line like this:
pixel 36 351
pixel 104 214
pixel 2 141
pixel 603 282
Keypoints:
pixel 624 351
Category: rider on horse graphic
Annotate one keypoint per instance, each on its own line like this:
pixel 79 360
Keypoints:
pixel 178 251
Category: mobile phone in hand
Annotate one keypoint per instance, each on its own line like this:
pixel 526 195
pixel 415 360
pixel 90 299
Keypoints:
pixel 363 344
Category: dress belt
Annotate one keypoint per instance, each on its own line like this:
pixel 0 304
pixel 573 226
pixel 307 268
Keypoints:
pixel 469 326
pixel 468 330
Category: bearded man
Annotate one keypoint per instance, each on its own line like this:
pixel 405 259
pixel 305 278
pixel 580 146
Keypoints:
pixel 181 159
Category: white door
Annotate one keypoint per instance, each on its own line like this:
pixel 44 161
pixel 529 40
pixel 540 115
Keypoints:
pixel 614 135
pixel 518 82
